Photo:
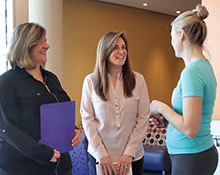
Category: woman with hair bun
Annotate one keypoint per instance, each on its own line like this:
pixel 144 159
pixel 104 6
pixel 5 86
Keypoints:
pixel 189 140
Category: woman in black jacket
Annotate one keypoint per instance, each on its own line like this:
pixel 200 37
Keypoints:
pixel 23 89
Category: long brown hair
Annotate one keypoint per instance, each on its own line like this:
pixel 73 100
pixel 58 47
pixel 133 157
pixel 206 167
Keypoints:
pixel 100 77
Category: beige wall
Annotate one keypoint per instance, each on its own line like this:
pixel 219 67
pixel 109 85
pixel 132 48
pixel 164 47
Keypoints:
pixel 20 12
pixel 49 14
pixel 149 46
pixel 213 44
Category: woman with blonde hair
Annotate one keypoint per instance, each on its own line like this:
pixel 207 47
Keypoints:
pixel 23 89
pixel 189 138
pixel 114 109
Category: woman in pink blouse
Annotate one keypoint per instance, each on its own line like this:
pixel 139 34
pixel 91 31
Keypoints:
pixel 114 109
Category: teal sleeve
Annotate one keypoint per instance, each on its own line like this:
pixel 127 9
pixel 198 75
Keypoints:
pixel 192 82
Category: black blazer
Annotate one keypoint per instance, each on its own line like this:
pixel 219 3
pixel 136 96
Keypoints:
pixel 20 99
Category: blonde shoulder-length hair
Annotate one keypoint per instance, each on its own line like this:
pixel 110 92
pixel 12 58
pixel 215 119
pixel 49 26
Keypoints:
pixel 100 74
pixel 24 37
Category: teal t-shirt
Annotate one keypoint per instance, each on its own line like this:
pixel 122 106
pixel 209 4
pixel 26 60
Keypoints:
pixel 197 79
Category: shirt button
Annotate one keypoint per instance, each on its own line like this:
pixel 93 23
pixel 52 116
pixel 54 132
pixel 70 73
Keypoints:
pixel 38 93
pixel 3 130
pixel 116 113
pixel 116 105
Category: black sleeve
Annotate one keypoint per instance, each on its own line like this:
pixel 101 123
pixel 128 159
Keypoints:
pixel 11 134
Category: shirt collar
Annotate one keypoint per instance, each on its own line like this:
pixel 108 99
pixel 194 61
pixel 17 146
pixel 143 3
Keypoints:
pixel 22 73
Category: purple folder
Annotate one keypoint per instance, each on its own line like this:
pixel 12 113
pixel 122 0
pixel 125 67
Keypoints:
pixel 58 125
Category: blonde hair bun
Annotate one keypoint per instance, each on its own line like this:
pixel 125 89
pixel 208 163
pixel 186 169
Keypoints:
pixel 201 12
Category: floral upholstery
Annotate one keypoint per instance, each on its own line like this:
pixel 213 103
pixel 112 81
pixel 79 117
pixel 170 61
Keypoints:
pixel 155 136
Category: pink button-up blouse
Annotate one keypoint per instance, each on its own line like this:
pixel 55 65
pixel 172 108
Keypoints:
pixel 116 126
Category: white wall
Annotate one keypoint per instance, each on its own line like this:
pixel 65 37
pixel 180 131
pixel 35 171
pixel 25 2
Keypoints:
pixel 213 43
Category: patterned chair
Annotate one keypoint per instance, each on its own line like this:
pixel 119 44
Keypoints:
pixel 156 157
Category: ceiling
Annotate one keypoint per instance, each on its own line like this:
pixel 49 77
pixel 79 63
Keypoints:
pixel 168 7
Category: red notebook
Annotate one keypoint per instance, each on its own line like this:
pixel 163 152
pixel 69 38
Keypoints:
pixel 58 125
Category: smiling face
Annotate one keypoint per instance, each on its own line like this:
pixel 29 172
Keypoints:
pixel 118 56
pixel 38 52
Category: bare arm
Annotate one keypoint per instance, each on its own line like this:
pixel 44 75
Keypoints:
pixel 189 122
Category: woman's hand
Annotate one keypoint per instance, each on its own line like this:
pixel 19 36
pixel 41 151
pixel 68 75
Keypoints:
pixel 77 138
pixel 156 116
pixel 156 107
pixel 56 155
pixel 124 164
pixel 107 165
